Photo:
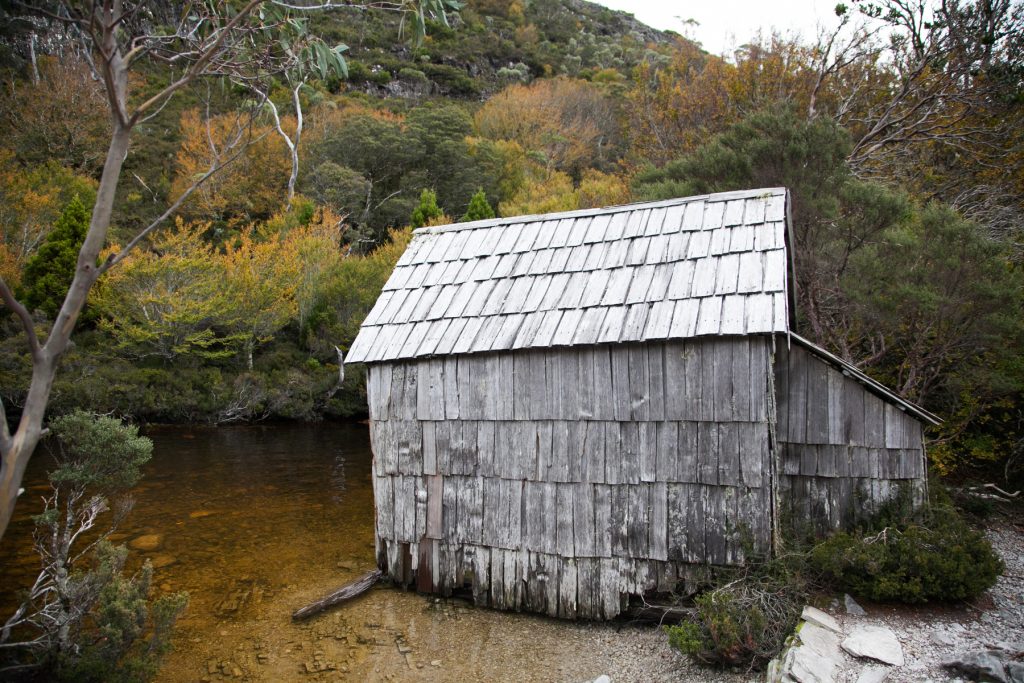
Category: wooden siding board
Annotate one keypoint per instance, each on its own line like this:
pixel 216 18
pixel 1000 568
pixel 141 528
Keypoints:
pixel 817 401
pixel 707 452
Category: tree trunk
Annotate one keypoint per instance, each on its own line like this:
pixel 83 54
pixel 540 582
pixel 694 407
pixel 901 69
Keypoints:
pixel 19 449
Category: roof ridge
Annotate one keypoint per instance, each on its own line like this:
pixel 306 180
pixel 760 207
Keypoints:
pixel 583 213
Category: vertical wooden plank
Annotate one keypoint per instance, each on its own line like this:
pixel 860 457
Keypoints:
pixel 475 514
pixel 498 578
pixel 696 523
pixel 457 460
pixel 430 390
pixel 688 453
pixel 621 398
pixel 513 492
pixel 874 420
pixel 563 512
pixel 568 387
pixel 797 395
pixel 409 390
pixel 619 527
pixel 667 459
pixel 396 409
pixel 648 451
pixel 435 506
pixel 604 392
pixel 429 448
pixel 759 368
pixel 782 392
pixel 485 447
pixel 468 408
pixel 582 520
pixel 558 466
pixel 592 466
pixel 725 392
pixel 550 500
pixel 409 507
pixel 734 527
pixel 826 461
pixel 450 508
pixel 753 440
pixel 611 597
pixel 707 452
pixel 629 440
pixel 612 453
pixel 495 518
pixel 533 516
pixel 491 386
pixel 740 374
pixel 658 532
pixel 522 388
pixel 674 381
pixel 442 451
pixel 709 390
pixel 545 450
pixel 603 520
pixel 714 530
pixel 893 426
pixel 505 381
pixel 567 588
pixel 817 401
pixel 639 383
pixel 587 576
pixel 693 380
pixel 586 383
pixel 638 520
pixel 451 388
pixel 728 454
pixel 656 378
pixel 853 413
pixel 836 417
pixel 808 459
pixel 552 385
pixel 384 499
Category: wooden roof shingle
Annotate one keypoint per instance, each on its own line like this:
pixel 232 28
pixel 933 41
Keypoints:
pixel 708 265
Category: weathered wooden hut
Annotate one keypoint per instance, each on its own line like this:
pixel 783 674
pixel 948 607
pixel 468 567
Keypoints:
pixel 570 409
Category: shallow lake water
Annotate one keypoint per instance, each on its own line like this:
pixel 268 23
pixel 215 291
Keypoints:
pixel 257 521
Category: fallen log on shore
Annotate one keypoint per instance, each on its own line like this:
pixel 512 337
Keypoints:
pixel 346 592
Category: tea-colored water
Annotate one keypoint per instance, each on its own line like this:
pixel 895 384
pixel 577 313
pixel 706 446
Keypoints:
pixel 257 521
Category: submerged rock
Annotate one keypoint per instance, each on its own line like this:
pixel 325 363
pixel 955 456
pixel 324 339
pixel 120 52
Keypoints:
pixel 146 542
pixel 161 561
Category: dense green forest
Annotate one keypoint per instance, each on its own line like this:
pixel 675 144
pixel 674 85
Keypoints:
pixel 901 141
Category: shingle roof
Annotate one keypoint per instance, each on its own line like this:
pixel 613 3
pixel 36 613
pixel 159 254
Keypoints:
pixel 707 265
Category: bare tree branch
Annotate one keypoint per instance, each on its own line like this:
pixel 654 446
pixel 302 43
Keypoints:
pixel 27 324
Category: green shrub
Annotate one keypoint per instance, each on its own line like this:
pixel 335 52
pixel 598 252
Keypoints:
pixel 745 620
pixel 938 557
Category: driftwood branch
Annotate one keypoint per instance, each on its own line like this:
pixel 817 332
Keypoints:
pixel 346 592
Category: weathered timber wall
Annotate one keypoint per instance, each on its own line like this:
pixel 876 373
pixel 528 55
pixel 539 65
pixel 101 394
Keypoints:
pixel 564 480
pixel 844 451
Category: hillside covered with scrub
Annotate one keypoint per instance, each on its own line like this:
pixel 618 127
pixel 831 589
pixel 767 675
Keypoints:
pixel 901 141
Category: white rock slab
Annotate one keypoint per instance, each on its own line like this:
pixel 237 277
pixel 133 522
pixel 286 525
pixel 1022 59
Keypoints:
pixel 822 641
pixel 873 674
pixel 813 615
pixel 875 642
pixel 810 667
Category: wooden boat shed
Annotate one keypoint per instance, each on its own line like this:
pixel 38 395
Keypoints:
pixel 570 409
